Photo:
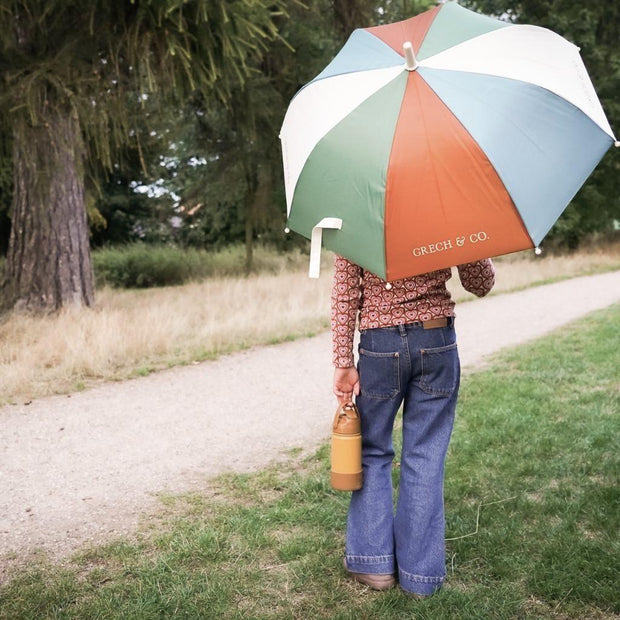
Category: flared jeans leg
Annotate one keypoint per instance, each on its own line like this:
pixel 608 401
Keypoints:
pixel 419 524
pixel 370 522
pixel 419 369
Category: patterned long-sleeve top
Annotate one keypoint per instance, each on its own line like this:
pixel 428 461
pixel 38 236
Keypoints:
pixel 382 304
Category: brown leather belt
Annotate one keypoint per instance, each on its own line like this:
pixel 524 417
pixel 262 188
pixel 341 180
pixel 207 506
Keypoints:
pixel 435 323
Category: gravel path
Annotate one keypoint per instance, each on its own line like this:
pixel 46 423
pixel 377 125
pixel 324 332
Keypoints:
pixel 86 467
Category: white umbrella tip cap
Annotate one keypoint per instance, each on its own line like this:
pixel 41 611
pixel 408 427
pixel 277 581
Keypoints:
pixel 410 61
pixel 617 143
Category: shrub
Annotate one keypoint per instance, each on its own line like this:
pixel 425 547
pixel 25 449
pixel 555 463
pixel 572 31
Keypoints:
pixel 141 266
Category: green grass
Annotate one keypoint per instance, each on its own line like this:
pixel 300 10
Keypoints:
pixel 532 506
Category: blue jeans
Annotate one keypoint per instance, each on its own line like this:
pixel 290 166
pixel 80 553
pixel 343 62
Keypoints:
pixel 420 369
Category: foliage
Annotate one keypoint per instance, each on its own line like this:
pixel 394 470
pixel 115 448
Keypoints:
pixel 387 11
pixel 139 265
pixel 531 503
pixel 223 160
pixel 240 138
pixel 123 214
pixel 99 57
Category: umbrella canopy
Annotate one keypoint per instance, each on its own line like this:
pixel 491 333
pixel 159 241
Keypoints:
pixel 439 140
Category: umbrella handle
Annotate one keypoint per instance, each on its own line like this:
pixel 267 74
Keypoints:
pixel 315 243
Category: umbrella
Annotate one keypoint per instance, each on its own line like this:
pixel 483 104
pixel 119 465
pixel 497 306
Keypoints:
pixel 440 140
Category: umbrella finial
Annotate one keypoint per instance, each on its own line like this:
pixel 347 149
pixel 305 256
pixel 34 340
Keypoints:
pixel 411 64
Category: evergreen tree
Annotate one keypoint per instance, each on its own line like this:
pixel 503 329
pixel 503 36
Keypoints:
pixel 72 70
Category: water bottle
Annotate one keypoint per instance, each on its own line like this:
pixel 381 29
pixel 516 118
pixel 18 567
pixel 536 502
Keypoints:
pixel 346 472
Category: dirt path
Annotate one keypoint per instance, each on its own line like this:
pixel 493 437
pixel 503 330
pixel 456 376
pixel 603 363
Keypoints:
pixel 84 468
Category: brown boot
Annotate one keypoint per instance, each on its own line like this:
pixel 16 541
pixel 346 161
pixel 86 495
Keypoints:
pixel 373 581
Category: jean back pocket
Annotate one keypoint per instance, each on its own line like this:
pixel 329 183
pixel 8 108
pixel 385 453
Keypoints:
pixel 440 370
pixel 379 374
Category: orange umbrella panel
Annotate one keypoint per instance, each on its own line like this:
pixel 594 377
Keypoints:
pixel 444 203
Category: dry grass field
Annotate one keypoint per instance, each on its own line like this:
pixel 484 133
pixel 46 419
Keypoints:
pixel 133 332
pixel 523 269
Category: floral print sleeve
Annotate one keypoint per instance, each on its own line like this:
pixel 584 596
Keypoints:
pixel 477 277
pixel 346 293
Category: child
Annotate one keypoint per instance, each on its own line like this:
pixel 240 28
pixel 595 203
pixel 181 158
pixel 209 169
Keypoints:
pixel 407 355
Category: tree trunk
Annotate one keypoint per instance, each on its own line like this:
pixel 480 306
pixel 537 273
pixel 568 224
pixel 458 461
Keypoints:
pixel 251 183
pixel 352 14
pixel 256 203
pixel 48 262
pixel 249 243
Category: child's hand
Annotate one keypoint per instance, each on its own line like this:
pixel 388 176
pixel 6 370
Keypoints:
pixel 346 383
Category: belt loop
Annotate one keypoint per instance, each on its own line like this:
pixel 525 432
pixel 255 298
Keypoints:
pixel 402 329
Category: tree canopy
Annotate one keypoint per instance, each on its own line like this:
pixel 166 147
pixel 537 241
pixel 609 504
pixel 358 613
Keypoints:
pixel 101 58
